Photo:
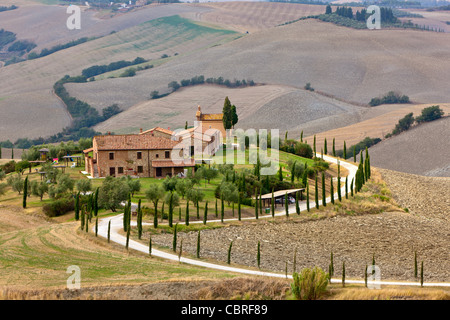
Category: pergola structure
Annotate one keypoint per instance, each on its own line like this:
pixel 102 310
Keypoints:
pixel 36 161
pixel 67 158
pixel 280 194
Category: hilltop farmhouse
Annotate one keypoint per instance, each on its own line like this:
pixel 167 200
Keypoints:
pixel 150 153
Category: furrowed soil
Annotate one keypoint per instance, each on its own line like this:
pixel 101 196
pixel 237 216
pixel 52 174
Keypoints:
pixel 391 236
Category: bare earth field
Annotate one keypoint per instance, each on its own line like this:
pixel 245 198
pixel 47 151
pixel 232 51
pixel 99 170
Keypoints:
pixel 423 150
pixel 375 122
pixel 354 65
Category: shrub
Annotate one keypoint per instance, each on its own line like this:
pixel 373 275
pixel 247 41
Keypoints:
pixel 389 98
pixel 59 207
pixel 430 114
pixel 310 284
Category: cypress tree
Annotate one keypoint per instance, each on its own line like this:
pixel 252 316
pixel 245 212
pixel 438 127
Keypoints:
pixel 96 226
pixel 187 214
pixel 325 147
pixel 232 208
pixel 421 274
pixel 82 218
pixel 179 214
pixel 280 174
pixel 222 212
pixel 301 137
pixel 260 203
pixel 77 206
pixel 155 217
pixel 331 269
pixel 174 241
pixel 258 255
pixel 331 190
pixel 128 238
pixel 345 150
pixel 87 223
pixel 272 204
pixel 229 252
pixel 286 205
pixel 25 192
pixel 365 276
pixel 198 244
pixel 354 154
pixel 314 146
pixel 171 210
pixel 12 153
pixel 139 220
pixel 293 172
pixel 351 187
pixel 96 203
pixel 307 197
pixel 324 201
pixel 339 189
pixel 109 231
pixel 343 274
pixel 316 193
pixel 415 264
pixel 205 214
pixel 162 211
pixel 256 205
pixel 0 150
pixel 346 187
pixel 297 206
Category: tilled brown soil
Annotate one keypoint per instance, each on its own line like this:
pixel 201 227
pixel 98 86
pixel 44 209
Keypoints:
pixel 391 236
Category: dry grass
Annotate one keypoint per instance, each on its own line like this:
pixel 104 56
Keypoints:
pixel 389 294
pixel 246 289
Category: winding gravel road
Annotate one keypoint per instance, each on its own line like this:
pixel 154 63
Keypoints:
pixel 117 224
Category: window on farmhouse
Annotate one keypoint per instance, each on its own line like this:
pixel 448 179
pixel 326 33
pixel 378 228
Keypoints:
pixel 139 155
pixel 111 156
pixel 140 169
pixel 120 169
pixel 167 154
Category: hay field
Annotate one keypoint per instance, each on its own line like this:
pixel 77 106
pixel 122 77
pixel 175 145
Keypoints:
pixel 354 65
pixel 38 258
pixel 371 124
pixel 26 87
pixel 252 16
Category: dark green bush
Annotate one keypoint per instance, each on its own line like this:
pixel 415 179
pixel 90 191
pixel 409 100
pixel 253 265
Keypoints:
pixel 59 207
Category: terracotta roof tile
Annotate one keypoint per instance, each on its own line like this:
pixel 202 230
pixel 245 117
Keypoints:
pixel 133 142
pixel 167 131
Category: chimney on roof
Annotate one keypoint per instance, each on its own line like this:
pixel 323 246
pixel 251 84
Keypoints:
pixel 140 130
